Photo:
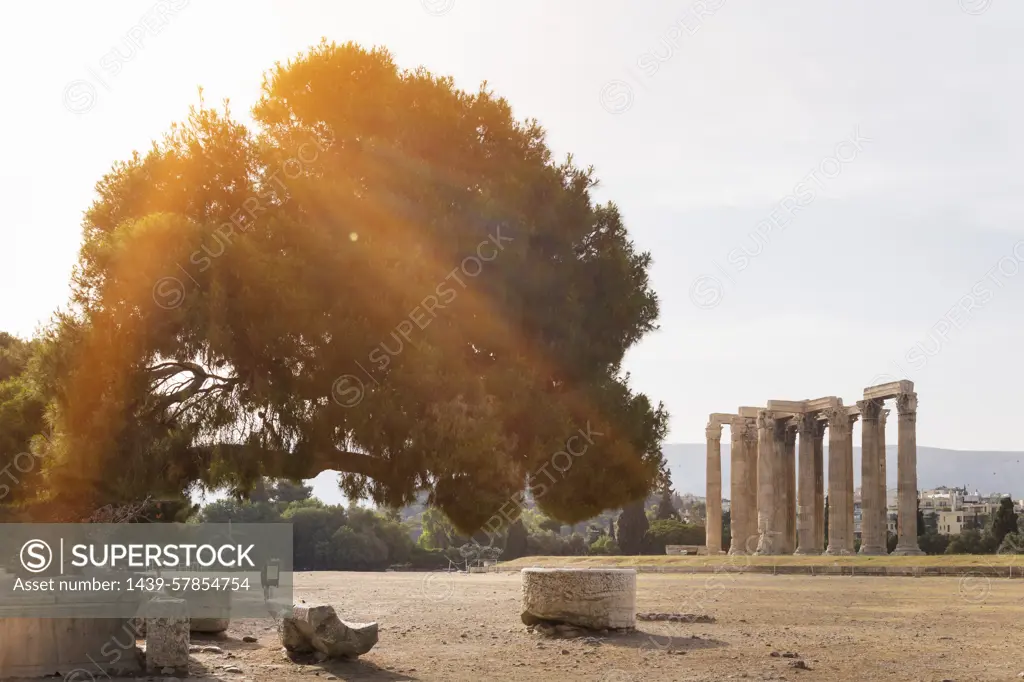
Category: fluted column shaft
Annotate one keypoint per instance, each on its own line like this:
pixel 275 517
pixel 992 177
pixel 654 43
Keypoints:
pixel 840 483
pixel 851 539
pixel 906 462
pixel 806 510
pixel 750 534
pixel 872 535
pixel 789 505
pixel 883 486
pixel 819 485
pixel 713 526
pixel 768 490
pixel 743 507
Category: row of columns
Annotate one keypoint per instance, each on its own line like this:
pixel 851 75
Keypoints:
pixel 777 487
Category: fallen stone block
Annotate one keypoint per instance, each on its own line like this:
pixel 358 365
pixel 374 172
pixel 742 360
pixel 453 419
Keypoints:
pixel 167 635
pixel 210 626
pixel 316 628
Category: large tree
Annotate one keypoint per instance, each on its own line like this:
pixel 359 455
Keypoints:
pixel 633 526
pixel 665 509
pixel 1004 520
pixel 22 409
pixel 388 277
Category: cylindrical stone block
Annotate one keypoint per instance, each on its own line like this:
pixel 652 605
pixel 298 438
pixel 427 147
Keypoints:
pixel 590 598
pixel 167 635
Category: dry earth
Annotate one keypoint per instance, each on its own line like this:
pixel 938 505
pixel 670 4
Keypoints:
pixel 441 626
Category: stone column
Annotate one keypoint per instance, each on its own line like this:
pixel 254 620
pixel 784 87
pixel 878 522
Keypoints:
pixel 819 485
pixel 840 489
pixel 713 527
pixel 780 475
pixel 883 486
pixel 906 463
pixel 740 508
pixel 789 471
pixel 807 535
pixel 851 538
pixel 872 537
pixel 750 535
pixel 769 492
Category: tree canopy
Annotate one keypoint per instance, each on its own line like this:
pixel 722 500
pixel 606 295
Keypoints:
pixel 1004 520
pixel 665 509
pixel 385 276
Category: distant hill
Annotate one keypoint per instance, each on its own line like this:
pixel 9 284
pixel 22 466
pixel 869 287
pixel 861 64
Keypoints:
pixel 988 472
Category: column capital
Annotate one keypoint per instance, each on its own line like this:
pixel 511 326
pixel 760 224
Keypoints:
pixel 804 424
pixel 838 420
pixel 906 403
pixel 713 431
pixel 766 419
pixel 870 409
pixel 882 415
pixel 742 428
pixel 751 431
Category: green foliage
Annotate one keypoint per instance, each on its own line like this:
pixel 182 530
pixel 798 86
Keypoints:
pixel 306 241
pixel 1013 543
pixel 604 545
pixel 223 511
pixel 21 421
pixel 269 490
pixel 632 528
pixel 671 532
pixel 515 541
pixel 933 543
pixel 428 559
pixel 665 508
pixel 826 525
pixel 726 531
pixel 1004 521
pixel 972 541
pixel 547 543
pixel 331 537
pixel 439 532
pixel 359 551
pixel 550 524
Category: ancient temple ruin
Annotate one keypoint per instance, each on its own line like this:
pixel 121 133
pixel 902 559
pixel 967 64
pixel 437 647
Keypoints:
pixel 778 490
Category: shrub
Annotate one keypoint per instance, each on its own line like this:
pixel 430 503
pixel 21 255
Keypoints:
pixel 605 545
pixel 672 532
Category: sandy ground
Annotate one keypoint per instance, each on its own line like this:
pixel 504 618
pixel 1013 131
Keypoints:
pixel 466 627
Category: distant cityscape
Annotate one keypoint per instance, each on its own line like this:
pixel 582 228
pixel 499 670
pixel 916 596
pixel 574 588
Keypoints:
pixel 949 511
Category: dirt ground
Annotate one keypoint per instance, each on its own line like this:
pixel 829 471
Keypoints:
pixel 439 626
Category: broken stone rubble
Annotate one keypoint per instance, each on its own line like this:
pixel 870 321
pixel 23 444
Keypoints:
pixel 316 628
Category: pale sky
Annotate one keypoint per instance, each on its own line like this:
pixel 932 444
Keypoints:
pixel 700 118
